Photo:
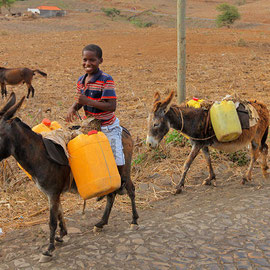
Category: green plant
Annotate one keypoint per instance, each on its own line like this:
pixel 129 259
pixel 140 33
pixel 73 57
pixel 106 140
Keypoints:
pixel 239 157
pixel 137 22
pixel 111 12
pixel 139 159
pixel 175 137
pixel 229 14
pixel 242 43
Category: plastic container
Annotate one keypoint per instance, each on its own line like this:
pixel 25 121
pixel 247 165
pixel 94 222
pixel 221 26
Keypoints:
pixel 195 102
pixel 44 126
pixel 55 125
pixel 225 121
pixel 93 165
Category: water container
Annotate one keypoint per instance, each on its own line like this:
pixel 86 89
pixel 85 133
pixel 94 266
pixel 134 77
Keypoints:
pixel 93 165
pixel 225 121
pixel 44 126
pixel 195 102
pixel 55 125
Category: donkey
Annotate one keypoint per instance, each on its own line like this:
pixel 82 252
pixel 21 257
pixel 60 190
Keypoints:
pixel 195 123
pixel 27 147
pixel 13 76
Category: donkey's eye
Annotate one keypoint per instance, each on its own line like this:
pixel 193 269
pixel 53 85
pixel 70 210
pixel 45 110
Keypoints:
pixel 156 125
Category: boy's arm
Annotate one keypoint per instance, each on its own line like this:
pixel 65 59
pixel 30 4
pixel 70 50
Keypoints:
pixel 104 104
pixel 71 114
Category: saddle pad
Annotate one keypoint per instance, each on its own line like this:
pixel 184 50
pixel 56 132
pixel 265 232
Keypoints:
pixel 56 152
pixel 243 116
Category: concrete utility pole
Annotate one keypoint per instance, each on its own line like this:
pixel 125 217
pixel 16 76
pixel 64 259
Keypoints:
pixel 181 51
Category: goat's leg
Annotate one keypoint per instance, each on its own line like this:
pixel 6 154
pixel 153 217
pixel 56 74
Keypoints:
pixel 62 224
pixel 131 193
pixel 107 211
pixel 212 175
pixel 54 208
pixel 254 155
pixel 192 155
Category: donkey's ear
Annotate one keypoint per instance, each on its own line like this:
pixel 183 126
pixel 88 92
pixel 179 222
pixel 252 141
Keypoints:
pixel 156 97
pixel 165 104
pixel 11 111
pixel 11 101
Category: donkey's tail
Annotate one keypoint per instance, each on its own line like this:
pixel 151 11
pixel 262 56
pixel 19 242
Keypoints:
pixel 40 72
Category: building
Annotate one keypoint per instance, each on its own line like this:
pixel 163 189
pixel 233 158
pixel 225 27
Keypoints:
pixel 48 11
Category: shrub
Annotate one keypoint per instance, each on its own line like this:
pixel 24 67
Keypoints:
pixel 137 22
pixel 111 12
pixel 175 138
pixel 229 14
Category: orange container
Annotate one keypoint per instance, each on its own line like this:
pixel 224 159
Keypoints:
pixel 45 126
pixel 55 125
pixel 93 165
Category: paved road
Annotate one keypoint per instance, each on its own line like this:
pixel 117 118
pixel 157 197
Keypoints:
pixel 213 228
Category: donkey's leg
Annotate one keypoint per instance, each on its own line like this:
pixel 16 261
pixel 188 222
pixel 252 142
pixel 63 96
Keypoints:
pixel 62 224
pixel 131 193
pixel 107 211
pixel 264 166
pixel 54 208
pixel 33 91
pixel 254 155
pixel 212 175
pixel 192 155
pixel 3 90
pixel 29 88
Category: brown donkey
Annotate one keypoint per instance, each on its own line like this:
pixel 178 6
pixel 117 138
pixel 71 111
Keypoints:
pixel 13 76
pixel 27 147
pixel 193 122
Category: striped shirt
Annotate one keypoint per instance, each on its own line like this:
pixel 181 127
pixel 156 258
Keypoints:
pixel 101 86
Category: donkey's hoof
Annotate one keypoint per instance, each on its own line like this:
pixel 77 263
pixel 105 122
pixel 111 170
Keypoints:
pixel 45 258
pixel 97 229
pixel 134 227
pixel 207 183
pixel 244 180
pixel 178 191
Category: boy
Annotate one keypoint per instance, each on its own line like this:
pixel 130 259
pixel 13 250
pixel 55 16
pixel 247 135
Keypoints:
pixel 96 93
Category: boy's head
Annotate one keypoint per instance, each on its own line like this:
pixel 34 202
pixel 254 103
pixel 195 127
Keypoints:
pixel 92 58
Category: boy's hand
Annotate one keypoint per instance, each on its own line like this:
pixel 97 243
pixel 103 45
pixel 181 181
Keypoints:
pixel 82 99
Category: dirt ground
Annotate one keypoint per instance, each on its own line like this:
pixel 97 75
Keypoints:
pixel 142 61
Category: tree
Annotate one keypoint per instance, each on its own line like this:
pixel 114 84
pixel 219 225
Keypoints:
pixel 228 16
pixel 7 4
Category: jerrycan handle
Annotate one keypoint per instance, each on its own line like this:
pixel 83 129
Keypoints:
pixel 92 132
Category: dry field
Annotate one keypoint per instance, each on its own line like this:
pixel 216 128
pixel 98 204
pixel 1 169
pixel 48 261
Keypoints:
pixel 141 61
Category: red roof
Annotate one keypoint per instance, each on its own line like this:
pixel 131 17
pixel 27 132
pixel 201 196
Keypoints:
pixel 48 8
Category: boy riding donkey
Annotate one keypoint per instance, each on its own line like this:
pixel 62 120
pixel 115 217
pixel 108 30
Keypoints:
pixel 96 94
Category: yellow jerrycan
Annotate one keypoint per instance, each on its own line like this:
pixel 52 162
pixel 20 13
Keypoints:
pixel 93 165
pixel 45 126
pixel 195 102
pixel 225 121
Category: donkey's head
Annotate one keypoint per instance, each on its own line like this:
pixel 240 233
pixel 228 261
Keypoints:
pixel 6 113
pixel 158 122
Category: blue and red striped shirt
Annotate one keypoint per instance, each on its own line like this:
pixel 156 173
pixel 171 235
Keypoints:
pixel 101 86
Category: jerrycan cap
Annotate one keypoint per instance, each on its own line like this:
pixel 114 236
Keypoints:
pixel 46 122
pixel 92 132
pixel 196 99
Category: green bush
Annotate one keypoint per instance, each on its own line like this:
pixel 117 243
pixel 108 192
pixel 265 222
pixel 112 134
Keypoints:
pixel 239 157
pixel 137 22
pixel 229 14
pixel 111 12
pixel 176 138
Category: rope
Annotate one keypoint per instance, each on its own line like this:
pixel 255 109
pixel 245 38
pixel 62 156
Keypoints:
pixel 195 139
